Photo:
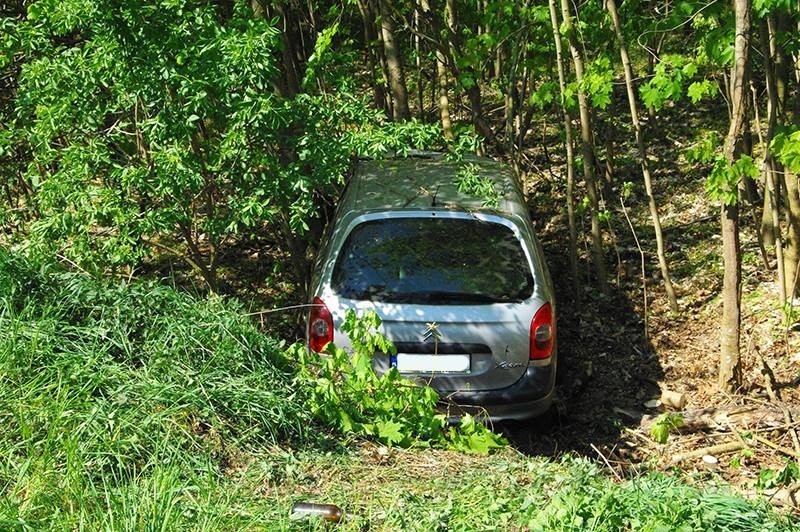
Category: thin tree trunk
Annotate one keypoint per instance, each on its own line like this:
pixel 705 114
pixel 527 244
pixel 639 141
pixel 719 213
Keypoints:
pixel 291 68
pixel 374 55
pixel 473 89
pixel 453 46
pixel 606 169
pixel 730 368
pixel 783 286
pixel 516 90
pixel 640 142
pixel 562 83
pixel 769 230
pixel 792 253
pixel 441 81
pixel 444 101
pixel 770 192
pixel 769 214
pixel 588 150
pixel 397 78
pixel 287 83
pixel 420 77
pixel 796 58
pixel 777 81
pixel 777 24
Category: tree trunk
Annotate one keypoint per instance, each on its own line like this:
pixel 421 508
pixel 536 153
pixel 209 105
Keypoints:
pixel 444 101
pixel 562 84
pixel 606 170
pixel 472 88
pixel 640 142
pixel 730 368
pixel 452 46
pixel 769 214
pixel 394 62
pixel 291 68
pixel 791 256
pixel 777 81
pixel 441 80
pixel 772 228
pixel 515 96
pixel 779 23
pixel 588 150
pixel 374 59
pixel 420 76
pixel 796 57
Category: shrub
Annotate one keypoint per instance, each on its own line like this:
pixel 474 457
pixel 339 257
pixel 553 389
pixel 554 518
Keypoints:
pixel 347 394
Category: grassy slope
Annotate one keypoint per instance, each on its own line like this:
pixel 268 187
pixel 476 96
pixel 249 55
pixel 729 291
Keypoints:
pixel 137 407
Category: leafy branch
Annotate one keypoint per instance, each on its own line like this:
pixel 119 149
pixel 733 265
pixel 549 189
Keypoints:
pixel 346 393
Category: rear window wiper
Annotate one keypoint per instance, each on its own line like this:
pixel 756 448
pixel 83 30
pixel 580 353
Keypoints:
pixel 374 292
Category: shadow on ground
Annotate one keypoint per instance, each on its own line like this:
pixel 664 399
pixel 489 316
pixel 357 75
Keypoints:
pixel 607 368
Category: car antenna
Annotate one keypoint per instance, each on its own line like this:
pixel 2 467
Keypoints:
pixel 435 192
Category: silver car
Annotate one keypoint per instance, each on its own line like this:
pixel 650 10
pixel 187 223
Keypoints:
pixel 462 289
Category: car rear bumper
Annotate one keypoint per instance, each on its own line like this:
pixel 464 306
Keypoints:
pixel 529 397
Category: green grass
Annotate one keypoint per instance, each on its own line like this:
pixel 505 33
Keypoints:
pixel 108 390
pixel 136 407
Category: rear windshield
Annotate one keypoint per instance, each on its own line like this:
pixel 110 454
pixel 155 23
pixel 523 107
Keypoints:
pixel 433 260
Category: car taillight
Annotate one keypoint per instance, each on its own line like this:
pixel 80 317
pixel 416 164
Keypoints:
pixel 320 326
pixel 543 333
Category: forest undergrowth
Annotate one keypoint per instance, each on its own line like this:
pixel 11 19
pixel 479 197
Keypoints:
pixel 623 352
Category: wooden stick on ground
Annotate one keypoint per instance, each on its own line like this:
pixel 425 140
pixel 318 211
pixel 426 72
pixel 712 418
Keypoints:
pixel 608 464
pixel 769 383
pixel 768 443
pixel 722 448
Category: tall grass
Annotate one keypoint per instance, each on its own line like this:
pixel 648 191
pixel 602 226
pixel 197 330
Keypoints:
pixel 113 395
pixel 135 407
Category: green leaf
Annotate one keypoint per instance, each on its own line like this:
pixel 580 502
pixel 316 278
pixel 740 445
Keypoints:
pixel 786 147
pixel 469 181
pixel 700 89
pixel 346 421
pixel 389 431
pixel 663 424
pixel 317 59
pixel 650 96
pixel 659 433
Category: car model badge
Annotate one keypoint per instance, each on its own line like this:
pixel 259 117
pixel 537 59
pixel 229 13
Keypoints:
pixel 432 331
pixel 508 365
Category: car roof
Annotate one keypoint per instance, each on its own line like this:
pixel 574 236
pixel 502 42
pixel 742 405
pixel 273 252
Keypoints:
pixel 428 181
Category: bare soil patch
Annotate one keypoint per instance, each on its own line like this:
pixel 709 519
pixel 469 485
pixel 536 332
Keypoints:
pixel 612 374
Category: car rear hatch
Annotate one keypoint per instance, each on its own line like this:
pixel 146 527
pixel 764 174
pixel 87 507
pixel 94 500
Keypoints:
pixel 455 291
pixel 470 347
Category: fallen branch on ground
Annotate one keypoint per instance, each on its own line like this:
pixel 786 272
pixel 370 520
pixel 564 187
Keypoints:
pixel 722 448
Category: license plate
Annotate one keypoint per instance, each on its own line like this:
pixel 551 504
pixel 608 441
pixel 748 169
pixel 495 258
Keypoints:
pixel 417 363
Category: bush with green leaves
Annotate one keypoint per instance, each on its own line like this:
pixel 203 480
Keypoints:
pixel 149 127
pixel 349 395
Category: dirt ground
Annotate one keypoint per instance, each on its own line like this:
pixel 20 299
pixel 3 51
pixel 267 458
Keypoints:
pixel 613 373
